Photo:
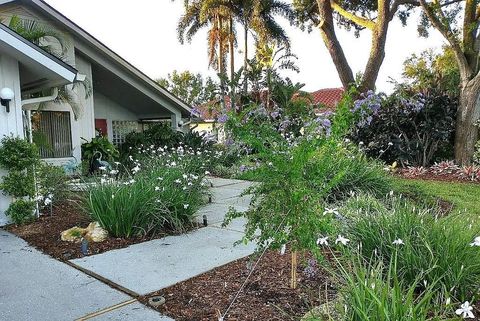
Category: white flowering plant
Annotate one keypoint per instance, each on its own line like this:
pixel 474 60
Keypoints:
pixel 160 191
pixel 442 248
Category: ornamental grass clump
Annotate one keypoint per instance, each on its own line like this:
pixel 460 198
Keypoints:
pixel 443 249
pixel 162 191
pixel 373 291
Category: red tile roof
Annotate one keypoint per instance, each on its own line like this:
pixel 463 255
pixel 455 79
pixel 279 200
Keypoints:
pixel 328 97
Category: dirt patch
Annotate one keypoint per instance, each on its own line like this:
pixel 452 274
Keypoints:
pixel 44 234
pixel 267 295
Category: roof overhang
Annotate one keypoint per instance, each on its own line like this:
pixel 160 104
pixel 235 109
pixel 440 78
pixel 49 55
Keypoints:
pixel 77 31
pixel 39 68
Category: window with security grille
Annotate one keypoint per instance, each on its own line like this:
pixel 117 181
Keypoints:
pixel 52 132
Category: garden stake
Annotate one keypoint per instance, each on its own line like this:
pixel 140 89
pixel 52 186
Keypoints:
pixel 293 281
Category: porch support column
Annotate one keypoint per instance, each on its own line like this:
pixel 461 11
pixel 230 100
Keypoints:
pixel 176 119
pixel 10 123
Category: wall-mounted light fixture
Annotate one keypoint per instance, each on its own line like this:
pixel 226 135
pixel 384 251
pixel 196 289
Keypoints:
pixel 6 95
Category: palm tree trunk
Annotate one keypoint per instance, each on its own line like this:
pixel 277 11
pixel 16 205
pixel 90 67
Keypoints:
pixel 245 58
pixel 220 60
pixel 231 45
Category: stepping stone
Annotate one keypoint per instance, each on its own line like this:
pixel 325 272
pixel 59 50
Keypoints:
pixel 157 264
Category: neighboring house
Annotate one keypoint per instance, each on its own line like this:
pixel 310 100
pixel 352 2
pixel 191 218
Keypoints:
pixel 123 99
pixel 327 99
pixel 24 68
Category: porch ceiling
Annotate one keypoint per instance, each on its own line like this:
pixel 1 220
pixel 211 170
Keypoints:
pixel 118 90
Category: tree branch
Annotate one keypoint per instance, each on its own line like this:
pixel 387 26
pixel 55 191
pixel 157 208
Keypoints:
pixel 465 70
pixel 363 22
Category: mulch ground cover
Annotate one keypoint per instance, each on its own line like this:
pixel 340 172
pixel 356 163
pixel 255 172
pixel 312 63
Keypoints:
pixel 44 234
pixel 429 176
pixel 266 296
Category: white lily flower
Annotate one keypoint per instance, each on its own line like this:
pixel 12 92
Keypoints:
pixel 476 241
pixel 103 181
pixel 283 249
pixel 135 169
pixel 330 211
pixel 341 239
pixel 322 241
pixel 102 168
pixel 207 173
pixel 465 311
pixel 186 206
pixel 47 201
pixel 178 181
pixel 157 188
pixel 398 242
pixel 113 172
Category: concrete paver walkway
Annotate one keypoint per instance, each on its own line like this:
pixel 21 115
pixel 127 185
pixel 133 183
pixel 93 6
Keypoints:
pixel 34 286
pixel 150 266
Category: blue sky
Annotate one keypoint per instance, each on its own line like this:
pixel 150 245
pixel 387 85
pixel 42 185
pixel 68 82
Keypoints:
pixel 145 35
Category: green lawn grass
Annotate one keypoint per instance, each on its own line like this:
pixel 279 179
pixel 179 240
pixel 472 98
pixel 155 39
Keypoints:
pixel 464 196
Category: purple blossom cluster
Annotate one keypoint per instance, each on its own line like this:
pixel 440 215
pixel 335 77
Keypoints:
pixel 367 106
pixel 412 105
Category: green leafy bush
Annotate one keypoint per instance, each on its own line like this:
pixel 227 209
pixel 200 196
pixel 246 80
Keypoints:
pixel 100 145
pixel 18 184
pixel 476 156
pixel 21 211
pixel 160 135
pixel 52 182
pixel 17 153
pixel 412 128
pixel 438 247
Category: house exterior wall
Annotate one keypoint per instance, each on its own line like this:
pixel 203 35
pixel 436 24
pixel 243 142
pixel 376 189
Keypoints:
pixel 105 108
pixel 11 123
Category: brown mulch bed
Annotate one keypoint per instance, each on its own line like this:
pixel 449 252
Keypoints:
pixel 44 234
pixel 266 296
pixel 429 176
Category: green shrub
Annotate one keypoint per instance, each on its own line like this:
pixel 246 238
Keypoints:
pixel 18 184
pixel 17 153
pixel 438 247
pixel 412 128
pixel 476 156
pixel 21 211
pixel 100 145
pixel 52 182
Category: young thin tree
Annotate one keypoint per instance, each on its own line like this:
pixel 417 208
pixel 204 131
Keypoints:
pixel 443 16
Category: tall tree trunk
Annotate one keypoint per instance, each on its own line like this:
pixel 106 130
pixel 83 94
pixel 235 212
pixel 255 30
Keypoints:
pixel 333 45
pixel 245 58
pixel 466 133
pixel 221 68
pixel 377 50
pixel 231 45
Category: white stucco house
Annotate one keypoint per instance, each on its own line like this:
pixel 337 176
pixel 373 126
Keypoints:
pixel 121 99
pixel 24 67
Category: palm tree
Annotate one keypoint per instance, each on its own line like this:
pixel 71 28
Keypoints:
pixel 52 42
pixel 258 16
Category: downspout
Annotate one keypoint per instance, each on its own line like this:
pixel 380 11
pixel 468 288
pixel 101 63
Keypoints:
pixel 32 101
